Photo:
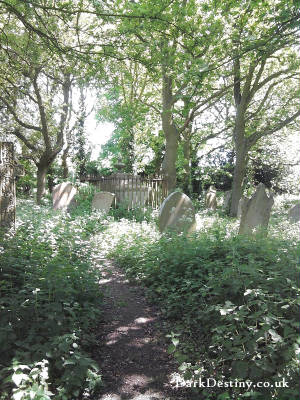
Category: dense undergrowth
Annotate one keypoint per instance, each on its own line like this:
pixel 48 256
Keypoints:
pixel 50 303
pixel 232 301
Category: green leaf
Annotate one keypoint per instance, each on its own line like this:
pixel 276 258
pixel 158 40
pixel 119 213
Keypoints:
pixel 240 369
pixel 275 337
pixel 171 348
pixel 18 377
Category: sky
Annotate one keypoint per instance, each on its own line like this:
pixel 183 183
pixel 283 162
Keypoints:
pixel 98 133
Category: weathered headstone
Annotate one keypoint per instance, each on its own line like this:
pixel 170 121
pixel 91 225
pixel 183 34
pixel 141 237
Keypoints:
pixel 177 213
pixel 63 196
pixel 294 213
pixel 211 198
pixel 256 211
pixel 243 200
pixel 102 201
pixel 227 197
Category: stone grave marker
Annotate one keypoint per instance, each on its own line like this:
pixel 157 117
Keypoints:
pixel 227 197
pixel 63 196
pixel 242 200
pixel 211 198
pixel 177 213
pixel 294 213
pixel 102 201
pixel 256 211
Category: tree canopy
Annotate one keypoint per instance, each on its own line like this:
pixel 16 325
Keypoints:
pixel 171 76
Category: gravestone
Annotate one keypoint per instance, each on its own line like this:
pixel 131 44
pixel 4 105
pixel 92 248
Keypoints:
pixel 63 196
pixel 177 213
pixel 242 200
pixel 256 211
pixel 294 213
pixel 102 201
pixel 227 197
pixel 211 198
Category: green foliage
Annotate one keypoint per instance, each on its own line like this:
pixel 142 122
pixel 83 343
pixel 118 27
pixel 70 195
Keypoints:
pixel 137 214
pixel 25 183
pixel 268 165
pixel 50 303
pixel 233 299
pixel 83 200
pixel 217 171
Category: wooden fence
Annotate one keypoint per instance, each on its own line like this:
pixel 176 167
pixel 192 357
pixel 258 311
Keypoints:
pixel 132 191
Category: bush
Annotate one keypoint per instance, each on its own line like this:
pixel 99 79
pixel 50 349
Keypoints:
pixel 50 303
pixel 233 300
pixel 138 214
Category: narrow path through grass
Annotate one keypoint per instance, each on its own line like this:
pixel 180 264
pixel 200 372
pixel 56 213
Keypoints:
pixel 134 362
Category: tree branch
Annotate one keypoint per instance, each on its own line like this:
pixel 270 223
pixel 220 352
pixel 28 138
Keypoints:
pixel 19 135
pixel 17 119
pixel 41 110
pixel 254 137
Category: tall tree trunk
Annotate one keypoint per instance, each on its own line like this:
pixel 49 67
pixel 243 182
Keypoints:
pixel 169 162
pixel 50 179
pixel 240 141
pixel 170 132
pixel 41 181
pixel 187 183
pixel 238 178
pixel 64 163
pixel 241 154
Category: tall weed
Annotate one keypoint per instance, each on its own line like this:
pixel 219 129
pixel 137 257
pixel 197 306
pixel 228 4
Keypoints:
pixel 50 303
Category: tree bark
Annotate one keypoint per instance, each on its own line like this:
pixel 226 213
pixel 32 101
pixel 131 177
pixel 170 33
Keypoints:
pixel 240 141
pixel 41 181
pixel 170 132
pixel 64 163
pixel 169 162
pixel 238 179
pixel 187 183
pixel 241 154
pixel 50 179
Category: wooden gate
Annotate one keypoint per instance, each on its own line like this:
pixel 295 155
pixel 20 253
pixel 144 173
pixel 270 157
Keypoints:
pixel 132 190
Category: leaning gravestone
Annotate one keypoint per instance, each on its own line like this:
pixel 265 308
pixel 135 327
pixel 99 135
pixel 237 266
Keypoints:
pixel 211 198
pixel 102 201
pixel 63 196
pixel 256 211
pixel 177 213
pixel 294 213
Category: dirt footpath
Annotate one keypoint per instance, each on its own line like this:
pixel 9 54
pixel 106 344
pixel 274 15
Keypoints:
pixel 133 352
